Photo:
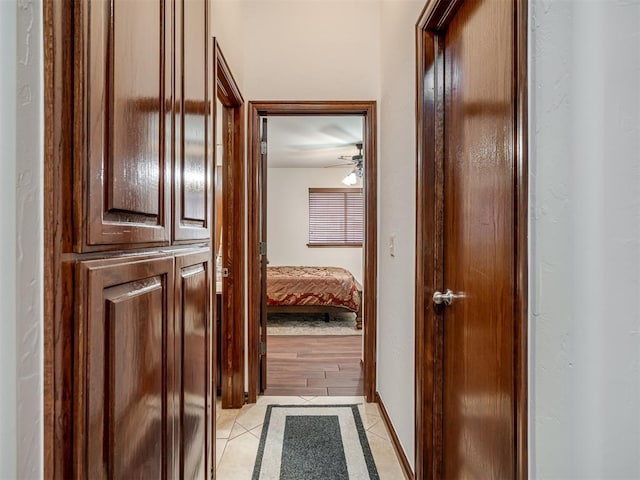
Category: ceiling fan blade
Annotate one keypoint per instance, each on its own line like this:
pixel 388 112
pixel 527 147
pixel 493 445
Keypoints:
pixel 339 165
pixel 322 146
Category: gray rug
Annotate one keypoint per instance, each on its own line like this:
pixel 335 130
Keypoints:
pixel 312 324
pixel 314 442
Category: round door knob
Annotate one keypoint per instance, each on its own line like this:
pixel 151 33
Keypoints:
pixel 446 298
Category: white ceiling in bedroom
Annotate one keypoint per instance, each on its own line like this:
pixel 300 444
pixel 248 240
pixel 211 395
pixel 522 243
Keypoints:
pixel 312 141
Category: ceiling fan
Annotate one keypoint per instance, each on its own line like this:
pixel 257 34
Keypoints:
pixel 355 160
pixel 358 163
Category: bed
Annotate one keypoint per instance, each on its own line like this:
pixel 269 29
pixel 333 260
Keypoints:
pixel 299 289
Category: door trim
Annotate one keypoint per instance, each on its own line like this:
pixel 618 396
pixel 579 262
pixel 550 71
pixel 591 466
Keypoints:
pixel 59 45
pixel 368 110
pixel 429 240
pixel 233 313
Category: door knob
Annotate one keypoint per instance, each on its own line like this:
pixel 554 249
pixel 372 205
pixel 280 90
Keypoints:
pixel 446 298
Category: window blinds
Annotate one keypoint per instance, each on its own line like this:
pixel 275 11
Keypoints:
pixel 336 217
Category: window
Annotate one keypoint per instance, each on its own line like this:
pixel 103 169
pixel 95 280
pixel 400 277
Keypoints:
pixel 336 217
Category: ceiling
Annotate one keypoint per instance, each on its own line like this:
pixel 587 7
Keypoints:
pixel 312 141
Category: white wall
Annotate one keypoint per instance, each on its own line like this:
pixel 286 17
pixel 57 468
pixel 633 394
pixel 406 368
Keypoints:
pixel 315 49
pixel 8 241
pixel 29 240
pixel 337 50
pixel 288 219
pixel 585 239
pixel 228 27
pixel 21 136
pixel 396 274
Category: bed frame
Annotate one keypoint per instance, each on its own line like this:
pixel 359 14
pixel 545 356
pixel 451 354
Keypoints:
pixel 326 309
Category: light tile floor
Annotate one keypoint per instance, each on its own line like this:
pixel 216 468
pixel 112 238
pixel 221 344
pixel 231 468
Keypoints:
pixel 238 435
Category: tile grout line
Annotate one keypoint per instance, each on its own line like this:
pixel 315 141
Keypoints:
pixel 376 434
pixel 222 454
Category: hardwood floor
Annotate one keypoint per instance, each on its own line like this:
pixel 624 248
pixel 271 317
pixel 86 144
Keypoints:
pixel 314 365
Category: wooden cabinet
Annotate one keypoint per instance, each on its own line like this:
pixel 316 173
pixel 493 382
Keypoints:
pixel 193 113
pixel 143 162
pixel 124 347
pixel 194 345
pixel 144 356
pixel 124 114
pixel 132 355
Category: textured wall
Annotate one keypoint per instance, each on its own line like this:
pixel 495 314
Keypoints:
pixel 29 249
pixel 396 277
pixel 585 239
pixel 21 136
pixel 7 241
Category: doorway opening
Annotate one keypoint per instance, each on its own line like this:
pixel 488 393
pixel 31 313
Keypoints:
pixel 351 157
pixel 315 229
pixel 229 236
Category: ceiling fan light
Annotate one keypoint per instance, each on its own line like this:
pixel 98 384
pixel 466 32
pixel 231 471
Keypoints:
pixel 350 179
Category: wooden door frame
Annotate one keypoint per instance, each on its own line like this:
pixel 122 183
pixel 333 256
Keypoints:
pixel 429 237
pixel 58 40
pixel 368 109
pixel 233 312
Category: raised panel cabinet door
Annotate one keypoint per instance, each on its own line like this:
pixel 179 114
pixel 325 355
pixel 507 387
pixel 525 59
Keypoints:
pixel 123 417
pixel 193 161
pixel 124 137
pixel 193 300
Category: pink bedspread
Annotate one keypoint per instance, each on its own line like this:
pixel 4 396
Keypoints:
pixel 327 286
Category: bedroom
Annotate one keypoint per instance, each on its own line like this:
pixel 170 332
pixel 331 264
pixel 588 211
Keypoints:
pixel 318 183
pixel 315 229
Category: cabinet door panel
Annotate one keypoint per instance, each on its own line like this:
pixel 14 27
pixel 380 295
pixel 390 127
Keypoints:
pixel 193 161
pixel 193 324
pixel 136 103
pixel 122 425
pixel 134 366
pixel 122 164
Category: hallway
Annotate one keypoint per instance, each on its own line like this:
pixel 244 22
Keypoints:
pixel 238 435
pixel 85 116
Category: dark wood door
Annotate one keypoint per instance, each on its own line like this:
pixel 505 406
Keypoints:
pixel 262 188
pixel 230 231
pixel 193 396
pixel 123 349
pixel 122 161
pixel 193 144
pixel 144 368
pixel 479 242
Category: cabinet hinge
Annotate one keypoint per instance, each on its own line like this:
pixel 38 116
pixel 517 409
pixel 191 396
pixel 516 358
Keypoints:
pixel 263 148
pixel 263 348
pixel 263 248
